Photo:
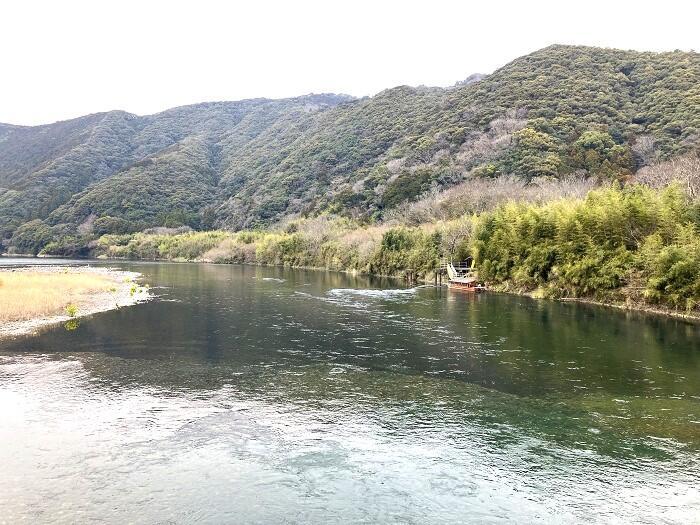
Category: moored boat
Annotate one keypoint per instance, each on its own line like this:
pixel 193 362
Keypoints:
pixel 463 277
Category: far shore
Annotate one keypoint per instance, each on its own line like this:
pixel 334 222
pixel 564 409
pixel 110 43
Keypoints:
pixel 35 297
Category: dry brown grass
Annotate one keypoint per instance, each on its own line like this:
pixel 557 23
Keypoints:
pixel 477 195
pixel 32 294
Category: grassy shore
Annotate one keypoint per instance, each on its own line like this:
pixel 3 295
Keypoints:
pixel 31 298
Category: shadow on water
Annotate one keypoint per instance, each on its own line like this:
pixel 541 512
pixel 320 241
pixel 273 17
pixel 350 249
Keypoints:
pixel 575 373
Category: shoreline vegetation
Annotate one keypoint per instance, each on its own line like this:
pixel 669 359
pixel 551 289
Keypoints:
pixel 32 298
pixel 634 247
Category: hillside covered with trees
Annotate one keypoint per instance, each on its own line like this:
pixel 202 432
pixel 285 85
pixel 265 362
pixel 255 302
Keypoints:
pixel 561 113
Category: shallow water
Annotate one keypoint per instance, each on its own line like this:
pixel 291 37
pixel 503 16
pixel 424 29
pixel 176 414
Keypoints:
pixel 262 395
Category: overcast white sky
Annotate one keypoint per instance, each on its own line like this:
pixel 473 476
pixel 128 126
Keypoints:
pixel 61 59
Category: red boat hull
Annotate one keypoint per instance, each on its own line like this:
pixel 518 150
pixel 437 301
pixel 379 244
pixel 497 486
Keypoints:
pixel 467 287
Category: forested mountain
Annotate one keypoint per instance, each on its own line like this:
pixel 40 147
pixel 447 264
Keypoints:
pixel 561 110
pixel 133 168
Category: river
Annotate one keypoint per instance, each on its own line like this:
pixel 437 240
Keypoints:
pixel 264 395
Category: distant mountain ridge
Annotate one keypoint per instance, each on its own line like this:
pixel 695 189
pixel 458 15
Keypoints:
pixel 560 110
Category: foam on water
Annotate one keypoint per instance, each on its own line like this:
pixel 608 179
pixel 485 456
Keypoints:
pixel 397 293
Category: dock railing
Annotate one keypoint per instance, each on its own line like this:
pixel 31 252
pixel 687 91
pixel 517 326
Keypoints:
pixel 457 270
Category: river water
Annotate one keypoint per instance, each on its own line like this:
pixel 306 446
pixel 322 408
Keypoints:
pixel 262 395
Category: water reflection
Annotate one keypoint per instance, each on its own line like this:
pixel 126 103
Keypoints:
pixel 279 395
pixel 71 324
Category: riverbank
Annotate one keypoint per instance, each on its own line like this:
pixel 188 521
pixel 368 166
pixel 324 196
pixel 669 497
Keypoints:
pixel 632 247
pixel 32 298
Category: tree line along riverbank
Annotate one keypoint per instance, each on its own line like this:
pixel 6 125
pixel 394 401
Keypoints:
pixel 634 246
